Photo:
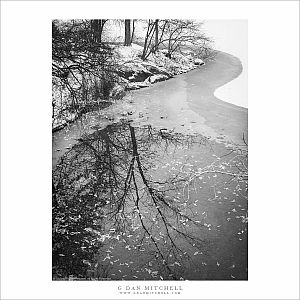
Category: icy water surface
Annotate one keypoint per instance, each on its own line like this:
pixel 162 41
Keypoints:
pixel 138 203
pixel 185 104
pixel 155 187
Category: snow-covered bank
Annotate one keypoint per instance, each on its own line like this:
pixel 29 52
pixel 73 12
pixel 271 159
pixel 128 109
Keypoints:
pixel 184 105
pixel 136 73
pixel 235 91
pixel 129 72
pixel 230 36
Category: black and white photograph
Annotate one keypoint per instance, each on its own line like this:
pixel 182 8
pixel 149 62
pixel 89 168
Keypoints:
pixel 149 149
pixel 150 154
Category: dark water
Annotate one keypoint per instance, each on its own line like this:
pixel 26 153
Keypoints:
pixel 139 203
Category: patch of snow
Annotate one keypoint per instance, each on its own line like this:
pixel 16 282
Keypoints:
pixel 137 85
pixel 157 78
pixel 234 92
pixel 198 61
pixel 128 53
pixel 137 47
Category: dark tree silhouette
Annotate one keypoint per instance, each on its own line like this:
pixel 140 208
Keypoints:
pixel 106 177
pixel 83 68
pixel 104 189
pixel 175 35
pixel 97 29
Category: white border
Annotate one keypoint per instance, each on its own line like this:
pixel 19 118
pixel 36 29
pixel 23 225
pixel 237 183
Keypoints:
pixel 26 146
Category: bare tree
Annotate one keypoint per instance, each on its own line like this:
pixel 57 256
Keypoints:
pixel 97 28
pixel 104 188
pixel 182 33
pixel 174 35
pixel 83 69
pixel 150 46
pixel 110 171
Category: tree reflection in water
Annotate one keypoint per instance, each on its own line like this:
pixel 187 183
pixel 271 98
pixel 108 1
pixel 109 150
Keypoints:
pixel 108 197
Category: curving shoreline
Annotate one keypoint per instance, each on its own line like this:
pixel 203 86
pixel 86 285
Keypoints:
pixel 187 103
pixel 228 120
pixel 235 91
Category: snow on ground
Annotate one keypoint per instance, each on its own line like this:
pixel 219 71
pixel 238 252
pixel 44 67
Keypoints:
pixel 230 36
pixel 128 53
pixel 156 67
pixel 234 91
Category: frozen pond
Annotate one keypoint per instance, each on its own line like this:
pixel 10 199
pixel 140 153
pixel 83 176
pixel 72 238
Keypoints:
pixel 155 187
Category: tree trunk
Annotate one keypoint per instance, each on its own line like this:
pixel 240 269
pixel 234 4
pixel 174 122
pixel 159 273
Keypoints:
pixel 101 25
pixel 132 35
pixel 97 29
pixel 156 35
pixel 148 39
pixel 169 49
pixel 127 41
